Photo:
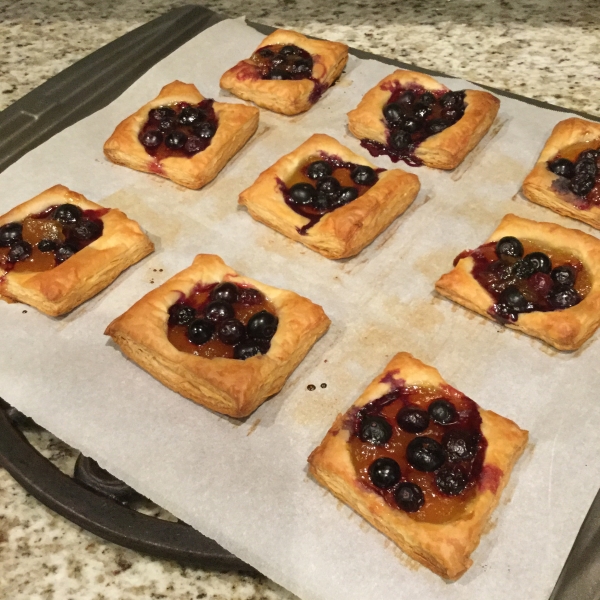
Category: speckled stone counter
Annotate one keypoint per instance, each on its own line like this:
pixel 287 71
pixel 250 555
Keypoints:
pixel 544 49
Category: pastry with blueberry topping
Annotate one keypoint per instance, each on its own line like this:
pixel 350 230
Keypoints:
pixel 539 278
pixel 182 136
pixel 412 117
pixel 223 340
pixel 59 249
pixel 566 177
pixel 422 462
pixel 287 73
pixel 328 198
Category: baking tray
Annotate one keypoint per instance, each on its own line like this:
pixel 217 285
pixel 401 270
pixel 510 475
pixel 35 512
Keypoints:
pixel 77 92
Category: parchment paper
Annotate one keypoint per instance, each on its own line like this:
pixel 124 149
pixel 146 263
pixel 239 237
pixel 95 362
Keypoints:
pixel 244 483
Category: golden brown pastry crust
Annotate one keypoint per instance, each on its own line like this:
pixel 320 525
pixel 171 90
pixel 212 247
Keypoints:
pixel 345 231
pixel 232 387
pixel 564 329
pixel 61 289
pixel 237 124
pixel 444 548
pixel 287 97
pixel 444 150
pixel 537 186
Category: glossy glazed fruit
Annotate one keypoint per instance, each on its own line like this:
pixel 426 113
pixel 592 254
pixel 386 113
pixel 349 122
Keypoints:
pixel 218 310
pixel 10 233
pixel 200 331
pixel 19 251
pixel 262 325
pixel 46 245
pixel 564 298
pixel 181 314
pixel 375 430
pixel 563 167
pixel 283 62
pixel 64 252
pixel 425 454
pixel 513 299
pixel 248 349
pixel 87 229
pixel 231 331
pixel 564 275
pixel 451 480
pixel 302 194
pixel 363 175
pixel 319 169
pixel 443 412
pixel 384 473
pixel 509 246
pixel 409 497
pixel 225 292
pixel 539 262
pixel 413 420
pixel 459 445
pixel 67 214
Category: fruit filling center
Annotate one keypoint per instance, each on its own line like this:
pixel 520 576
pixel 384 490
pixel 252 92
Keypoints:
pixel 578 170
pixel 411 115
pixel 324 183
pixel 44 240
pixel 222 320
pixel 523 276
pixel 420 448
pixel 180 129
pixel 283 62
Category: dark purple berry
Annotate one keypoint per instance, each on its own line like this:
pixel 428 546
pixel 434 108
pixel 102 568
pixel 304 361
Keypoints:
pixel 249 296
pixel 393 113
pixel 319 169
pixel 225 292
pixel 452 100
pixel 425 454
pixel 87 229
pixel 262 325
pixel 231 332
pixel 176 140
pixel 363 175
pixel 219 311
pixel 400 139
pixel 162 112
pixel 181 314
pixel 422 110
pixel 513 300
pixel 249 348
pixel 324 202
pixel 67 213
pixel 302 66
pixel 427 98
pixel 189 115
pixel 167 125
pixel 205 130
pixel 451 480
pixel 540 262
pixel 412 420
pixel 437 125
pixel 278 61
pixel 452 114
pixel 409 497
pixel 200 331
pixel 582 185
pixel 151 138
pixel 509 246
pixel 290 50
pixel 10 233
pixel 302 194
pixel 563 167
pixel 586 167
pixel 540 283
pixel 347 194
pixel 460 444
pixel 384 473
pixel 407 97
pixel 328 185
pixel 564 298
pixel 564 276
pixel 588 155
pixel 279 74
pixel 19 251
pixel 265 52
pixel 411 124
pixel 375 430
pixel 522 269
pixel 194 144
pixel 442 412
pixel 46 245
pixel 63 252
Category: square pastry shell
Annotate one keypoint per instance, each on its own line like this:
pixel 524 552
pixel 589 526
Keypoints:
pixel 445 548
pixel 345 231
pixel 229 386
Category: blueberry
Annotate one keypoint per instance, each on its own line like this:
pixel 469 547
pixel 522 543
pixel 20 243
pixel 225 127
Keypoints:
pixel 422 110
pixel 250 296
pixel 393 113
pixel 302 66
pixel 411 124
pixel 409 497
pixel 289 50
pixel 588 155
pixel 87 230
pixel 513 299
pixel 219 311
pixel 564 298
pixel 437 125
pixel 278 61
pixel 19 251
pixel 586 167
pixel 407 97
pixel 206 130
pixel 63 252
pixel 194 144
pixel 200 331
pixel 451 480
pixel 522 269
pixel 539 261
pixel 563 167
pixel 375 430
pixel 231 332
pixel 265 52
pixel 176 140
pixel 46 245
pixel 363 175
pixel 249 348
pixel 181 314
pixel 167 125
pixel 452 114
pixel 302 194
pixel 67 213
pixel 460 444
pixel 262 325
pixel 10 233
pixel 453 100
pixel 328 185
pixel 324 201
pixel 347 194
pixel 400 139
pixel 564 276
pixel 442 412
pixel 151 138
pixel 509 246
pixel 225 292
pixel 384 473
pixel 425 454
pixel 279 75
pixel 319 169
pixel 162 112
pixel 189 115
pixel 582 185
pixel 412 419
pixel 427 98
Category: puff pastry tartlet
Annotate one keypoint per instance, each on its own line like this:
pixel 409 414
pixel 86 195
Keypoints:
pixel 228 367
pixel 566 177
pixel 182 136
pixel 539 278
pixel 413 117
pixel 420 461
pixel 328 198
pixel 287 73
pixel 59 249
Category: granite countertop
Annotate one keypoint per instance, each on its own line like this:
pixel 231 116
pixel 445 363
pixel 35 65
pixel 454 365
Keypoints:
pixel 544 49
